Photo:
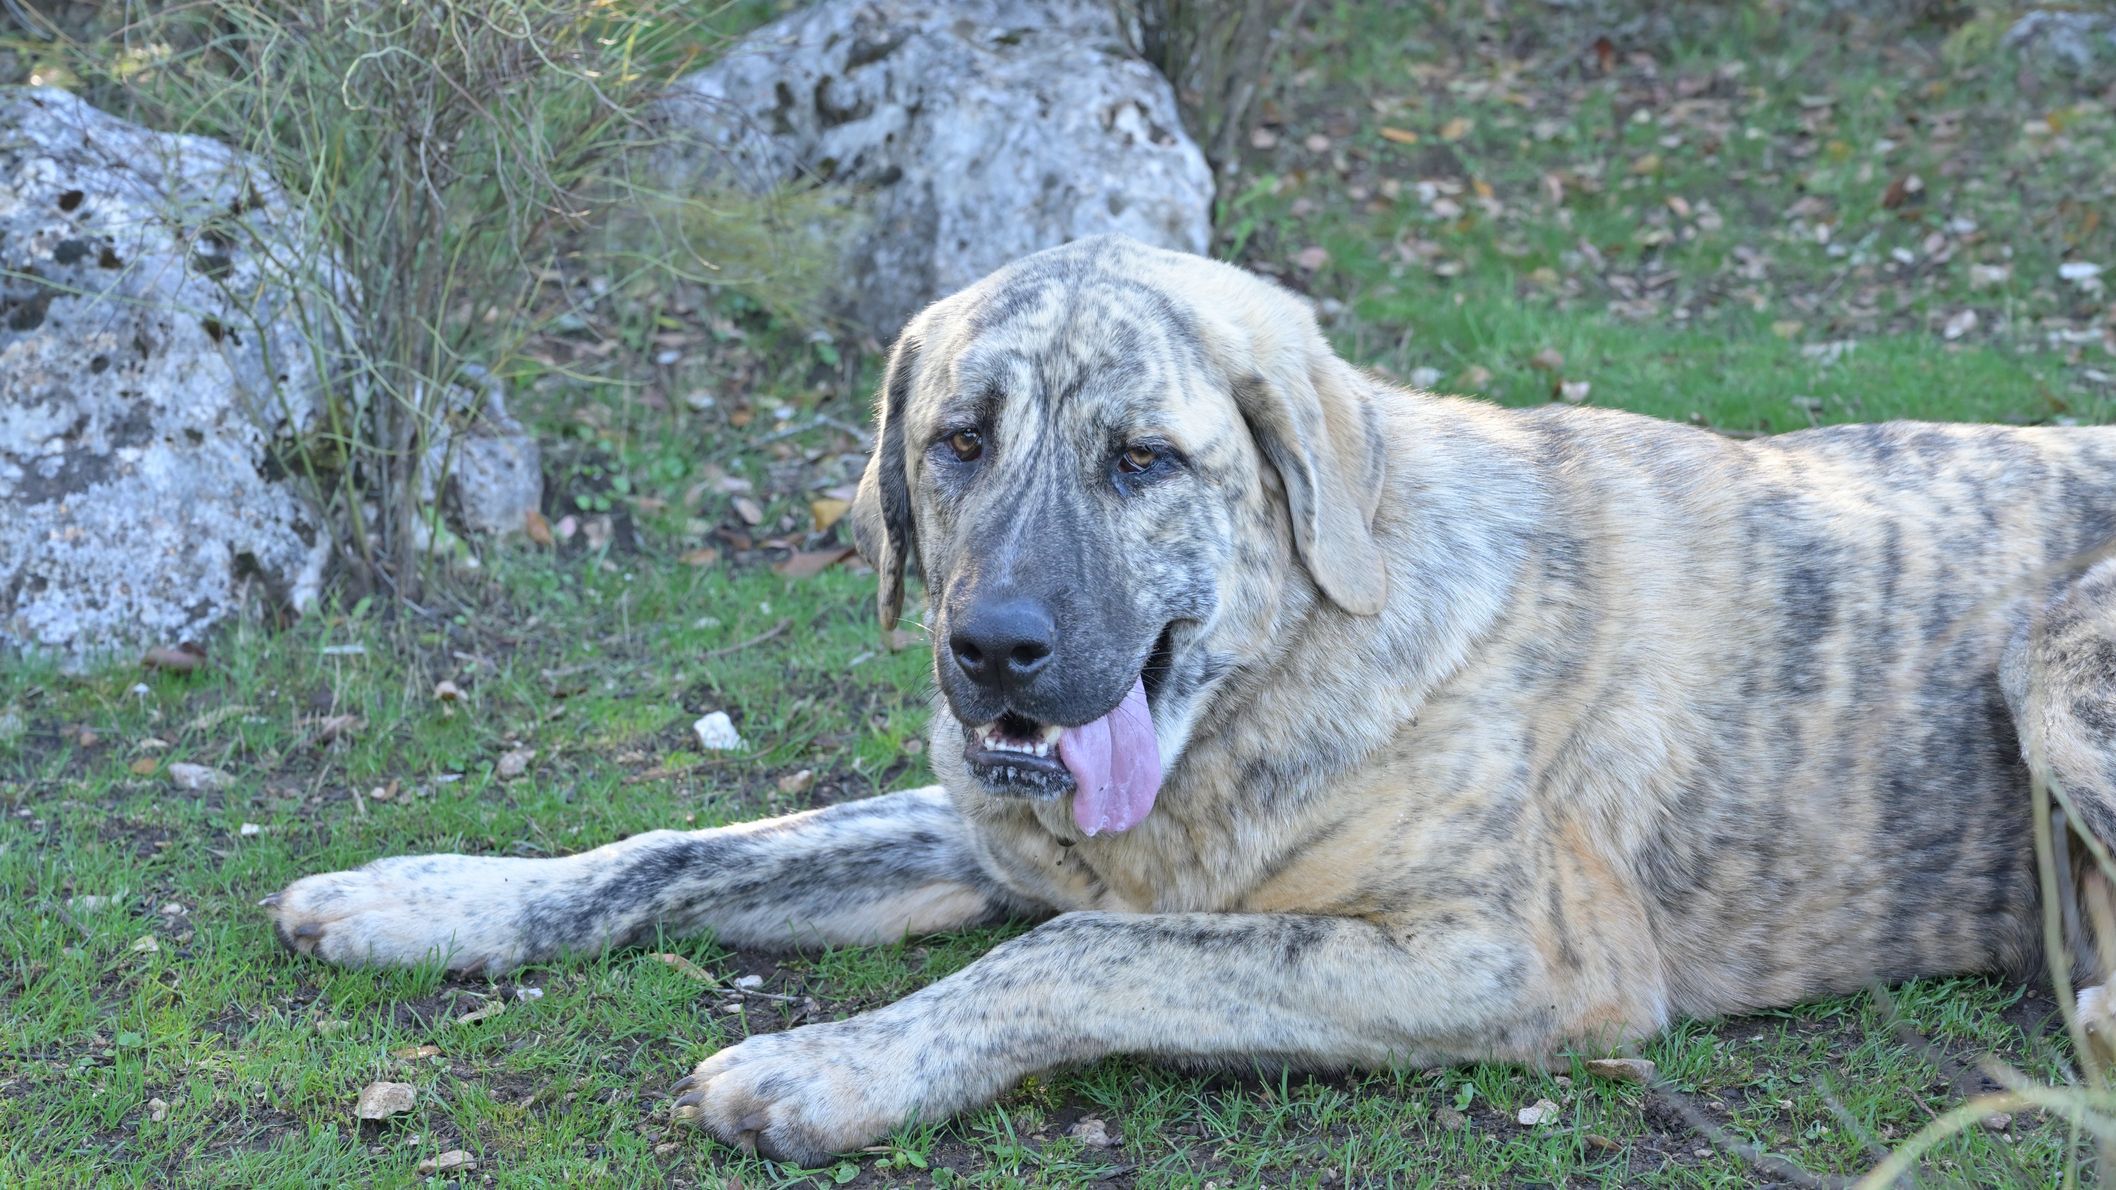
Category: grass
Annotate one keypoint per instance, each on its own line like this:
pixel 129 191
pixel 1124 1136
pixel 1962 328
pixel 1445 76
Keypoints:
pixel 598 657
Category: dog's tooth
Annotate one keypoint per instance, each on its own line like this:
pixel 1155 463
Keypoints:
pixel 1051 732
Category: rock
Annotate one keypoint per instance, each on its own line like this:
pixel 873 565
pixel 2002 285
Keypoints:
pixel 198 778
pixel 487 471
pixel 380 1101
pixel 1451 1119
pixel 716 732
pixel 1093 1133
pixel 2073 40
pixel 157 1109
pixel 153 354
pixel 452 1161
pixel 1997 1121
pixel 1624 1070
pixel 960 135
pixel 513 763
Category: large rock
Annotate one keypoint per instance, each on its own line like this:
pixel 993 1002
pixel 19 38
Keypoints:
pixel 2075 41
pixel 149 358
pixel 970 131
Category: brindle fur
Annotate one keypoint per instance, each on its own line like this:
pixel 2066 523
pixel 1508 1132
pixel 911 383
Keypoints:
pixel 1489 733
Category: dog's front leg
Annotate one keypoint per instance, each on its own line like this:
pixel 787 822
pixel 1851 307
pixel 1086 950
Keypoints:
pixel 860 872
pixel 1314 992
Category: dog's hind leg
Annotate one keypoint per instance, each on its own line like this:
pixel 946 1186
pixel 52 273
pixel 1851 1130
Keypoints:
pixel 859 872
pixel 2059 677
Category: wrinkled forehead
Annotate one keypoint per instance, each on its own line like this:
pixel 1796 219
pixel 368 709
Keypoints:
pixel 1080 341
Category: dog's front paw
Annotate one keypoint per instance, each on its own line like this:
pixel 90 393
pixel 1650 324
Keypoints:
pixel 805 1094
pixel 463 909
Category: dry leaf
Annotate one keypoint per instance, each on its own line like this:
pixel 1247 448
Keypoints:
pixel 797 782
pixel 685 967
pixel 380 1101
pixel 514 763
pixel 197 778
pixel 1476 378
pixel 749 510
pixel 827 511
pixel 703 556
pixel 336 727
pixel 1959 325
pixel 1094 1134
pixel 1402 136
pixel 447 691
pixel 412 1053
pixel 1312 258
pixel 538 529
pixel 1572 392
pixel 1541 1110
pixel 810 563
pixel 492 1008
pixel 1548 359
pixel 144 766
pixel 181 659
pixel 1456 128
pixel 146 944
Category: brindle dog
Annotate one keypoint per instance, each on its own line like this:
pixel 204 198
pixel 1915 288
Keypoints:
pixel 1333 724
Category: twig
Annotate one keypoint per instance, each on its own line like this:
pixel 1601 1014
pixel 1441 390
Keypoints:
pixel 1768 1163
pixel 758 639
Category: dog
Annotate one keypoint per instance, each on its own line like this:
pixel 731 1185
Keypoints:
pixel 1324 723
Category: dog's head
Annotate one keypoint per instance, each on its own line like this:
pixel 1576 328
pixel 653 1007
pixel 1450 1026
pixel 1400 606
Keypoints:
pixel 1115 466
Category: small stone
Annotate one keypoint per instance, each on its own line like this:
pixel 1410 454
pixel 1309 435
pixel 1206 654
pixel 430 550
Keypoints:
pixel 410 1053
pixel 665 1148
pixel 380 1101
pixel 1623 1070
pixel 1424 377
pixel 514 763
pixel 797 782
pixel 157 1110
pixel 197 778
pixel 716 733
pixel 452 1161
pixel 527 993
pixel 1451 1119
pixel 1998 1121
pixel 249 830
pixel 1549 360
pixel 1093 1133
pixel 146 944
pixel 1536 1113
pixel 750 982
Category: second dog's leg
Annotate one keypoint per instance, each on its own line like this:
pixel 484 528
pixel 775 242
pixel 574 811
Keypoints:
pixel 860 872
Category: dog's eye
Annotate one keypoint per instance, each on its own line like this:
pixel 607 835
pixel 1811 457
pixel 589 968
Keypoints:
pixel 967 444
pixel 1137 457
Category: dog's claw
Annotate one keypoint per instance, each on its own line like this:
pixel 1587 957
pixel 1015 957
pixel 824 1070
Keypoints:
pixel 691 1100
pixel 271 902
pixel 683 1084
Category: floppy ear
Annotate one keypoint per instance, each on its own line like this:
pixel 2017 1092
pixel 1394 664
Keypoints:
pixel 1323 436
pixel 881 509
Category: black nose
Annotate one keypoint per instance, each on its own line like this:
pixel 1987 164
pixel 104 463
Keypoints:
pixel 1002 643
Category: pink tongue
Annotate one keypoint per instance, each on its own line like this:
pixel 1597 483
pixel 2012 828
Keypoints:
pixel 1116 763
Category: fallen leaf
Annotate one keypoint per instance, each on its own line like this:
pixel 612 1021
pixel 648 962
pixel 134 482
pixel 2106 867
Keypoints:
pixel 452 1161
pixel 703 556
pixel 1960 324
pixel 1457 128
pixel 1401 136
pixel 1623 1070
pixel 144 766
pixel 1904 189
pixel 810 563
pixel 1451 1119
pixel 196 778
pixel 146 944
pixel 1548 359
pixel 492 1008
pixel 181 659
pixel 412 1053
pixel 335 727
pixel 380 1101
pixel 1602 1142
pixel 447 691
pixel 513 763
pixel 685 967
pixel 1262 138
pixel 827 511
pixel 749 510
pixel 797 782
pixel 1312 258
pixel 538 529
pixel 1476 378
pixel 1572 392
pixel 1536 1113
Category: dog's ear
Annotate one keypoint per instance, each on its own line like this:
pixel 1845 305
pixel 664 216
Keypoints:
pixel 1318 429
pixel 881 508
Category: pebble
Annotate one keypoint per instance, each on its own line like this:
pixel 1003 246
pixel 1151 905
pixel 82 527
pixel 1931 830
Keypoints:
pixel 716 732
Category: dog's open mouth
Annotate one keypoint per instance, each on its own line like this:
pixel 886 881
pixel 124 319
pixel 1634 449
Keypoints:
pixel 1111 765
